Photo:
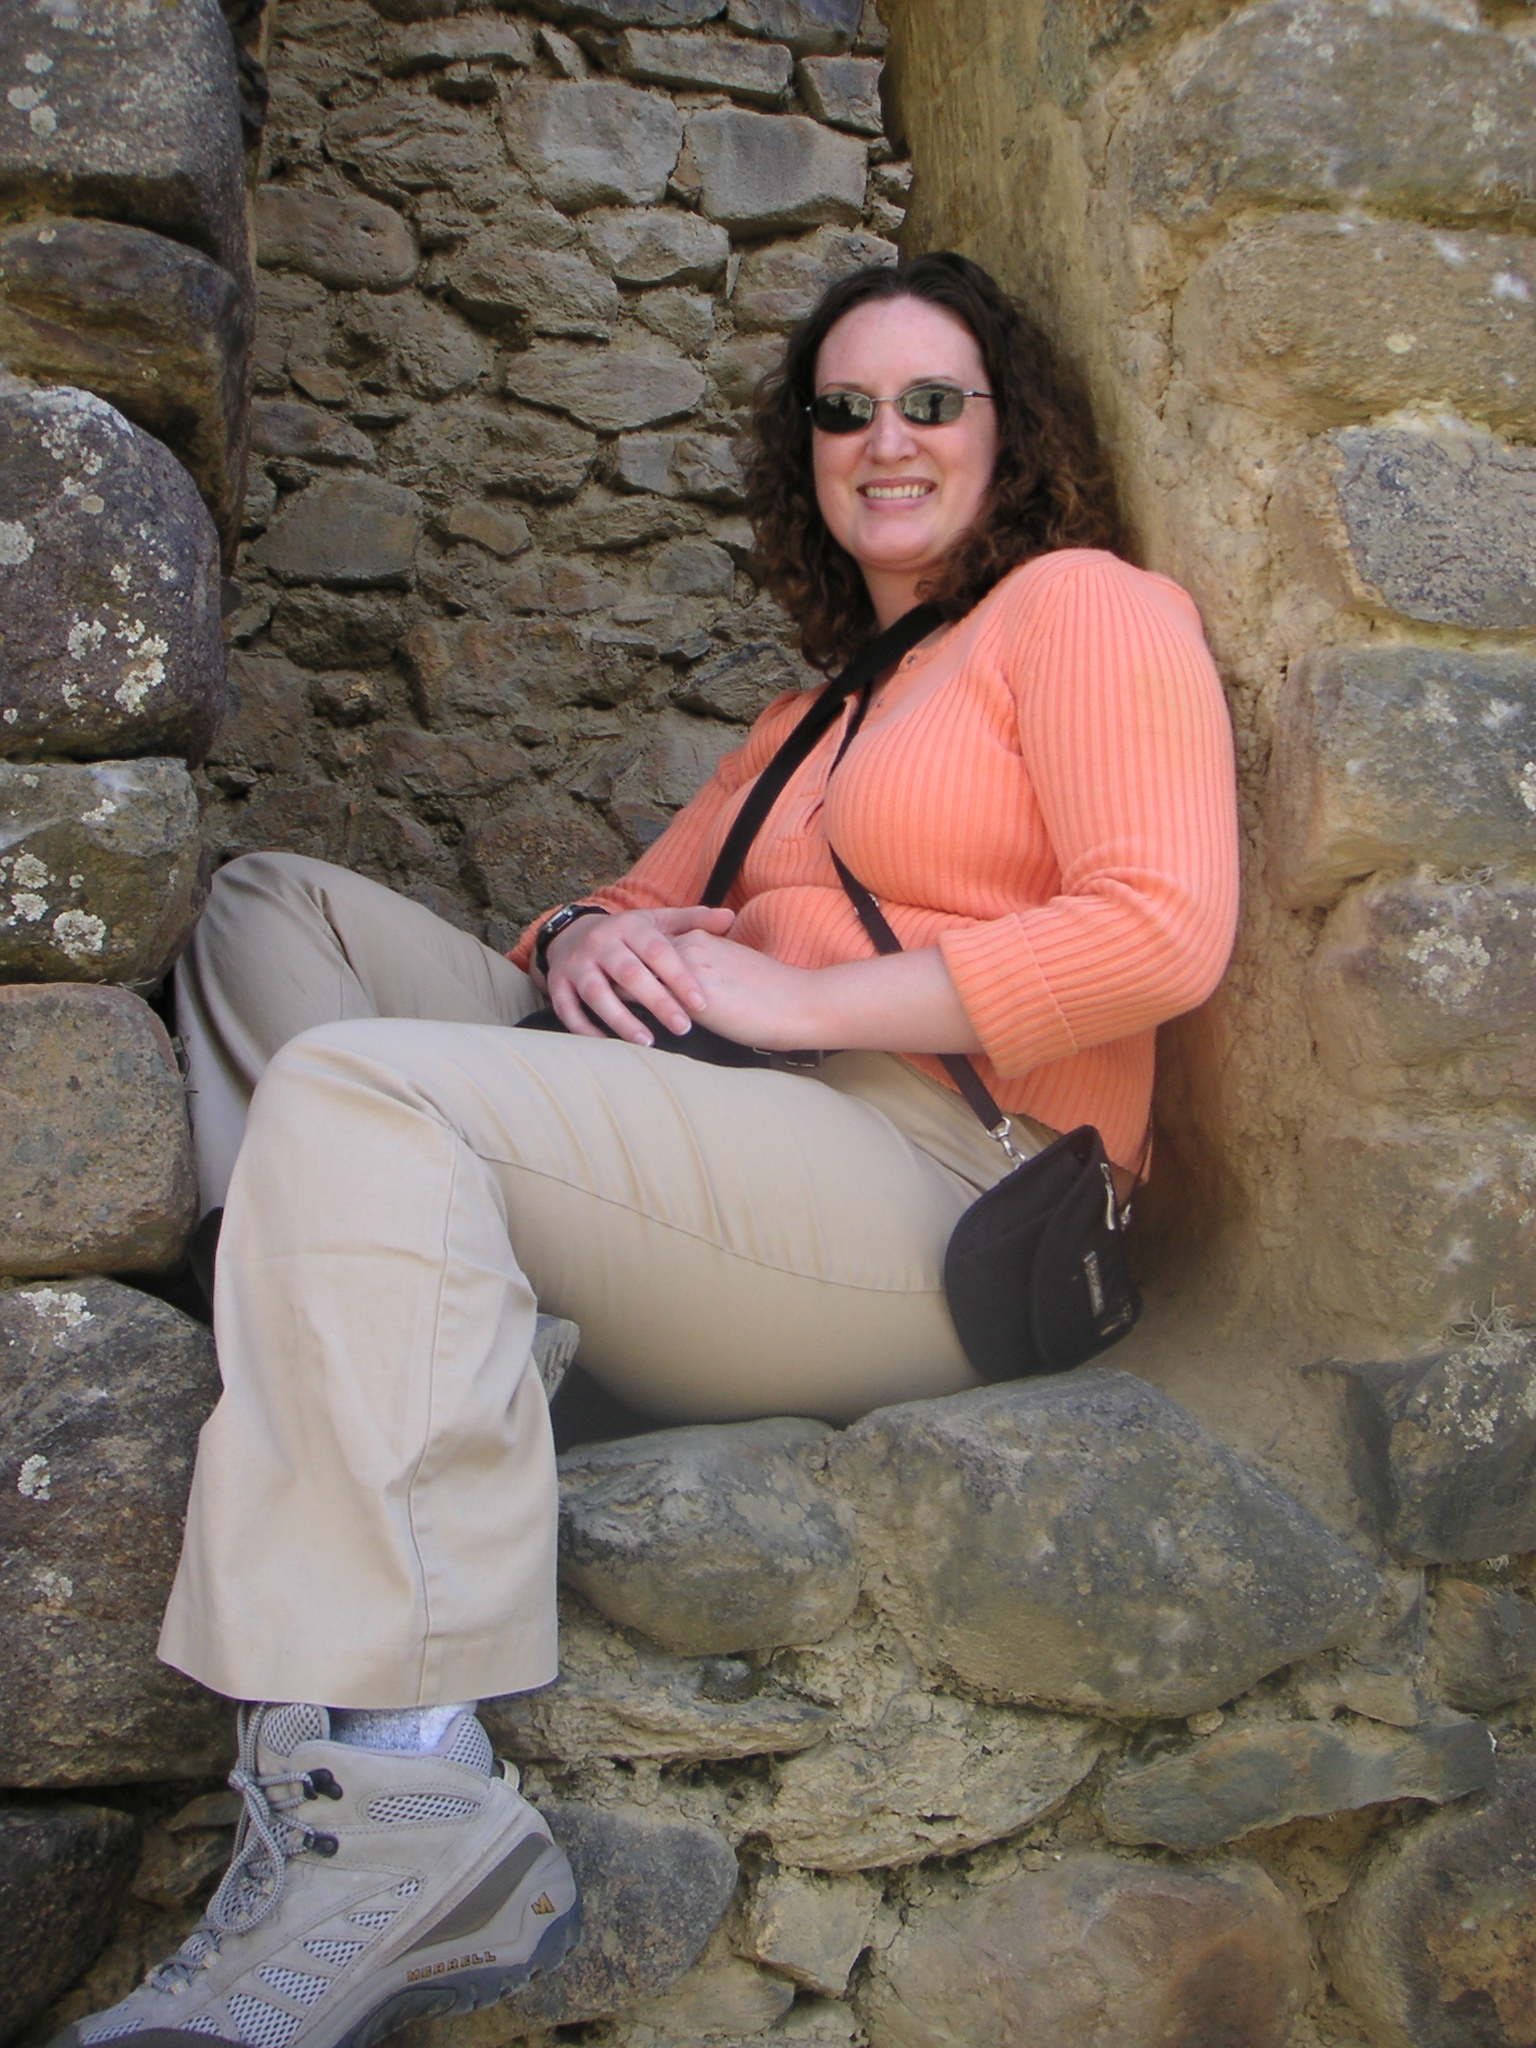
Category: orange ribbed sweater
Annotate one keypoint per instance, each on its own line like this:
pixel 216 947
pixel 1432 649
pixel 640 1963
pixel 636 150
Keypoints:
pixel 1046 792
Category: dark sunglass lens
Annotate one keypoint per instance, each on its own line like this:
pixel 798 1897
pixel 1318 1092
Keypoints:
pixel 931 405
pixel 842 412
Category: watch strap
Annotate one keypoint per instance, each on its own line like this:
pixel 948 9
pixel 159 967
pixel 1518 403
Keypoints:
pixel 554 925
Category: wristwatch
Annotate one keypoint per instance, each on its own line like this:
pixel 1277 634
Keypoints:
pixel 552 927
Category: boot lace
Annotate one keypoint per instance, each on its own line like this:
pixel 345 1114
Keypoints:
pixel 252 1887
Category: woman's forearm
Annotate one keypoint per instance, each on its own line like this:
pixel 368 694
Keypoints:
pixel 904 1003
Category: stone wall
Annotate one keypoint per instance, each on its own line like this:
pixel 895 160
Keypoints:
pixel 519 273
pixel 1062 1712
pixel 1289 243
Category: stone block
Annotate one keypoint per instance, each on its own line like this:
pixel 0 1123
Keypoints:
pixel 616 1697
pixel 709 1539
pixel 63 1871
pixel 812 1929
pixel 633 13
pixel 722 1998
pixel 693 568
pixel 356 533
pixel 100 879
pixel 109 587
pixel 755 72
pixel 1443 1449
pixel 520 454
pixel 500 532
pixel 435 45
pixel 432 351
pixel 1433 523
pixel 1082 1540
pixel 1434 1944
pixel 1483 1645
pixel 333 629
pixel 844 92
pixel 701 466
pixel 611 390
pixel 1326 318
pixel 928 1776
pixel 778 286
pixel 264 731
pixel 594 142
pixel 1416 985
pixel 762 172
pixel 742 682
pixel 1386 757
pixel 443 771
pixel 540 852
pixel 1260 1775
pixel 1411 1228
pixel 653 1891
pixel 739 365
pixel 686 319
pixel 819 27
pixel 1122 1955
pixel 96 1158
pixel 156 329
pixel 610 525
pixel 352 244
pixel 131 114
pixel 518 292
pixel 283 427
pixel 1314 103
pixel 644 245
pixel 398 142
pixel 102 1393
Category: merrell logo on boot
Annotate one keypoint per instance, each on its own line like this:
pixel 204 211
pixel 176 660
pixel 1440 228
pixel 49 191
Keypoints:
pixel 474 1961
pixel 543 1903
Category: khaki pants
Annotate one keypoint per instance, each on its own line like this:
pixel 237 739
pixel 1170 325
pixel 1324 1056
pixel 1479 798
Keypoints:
pixel 372 1520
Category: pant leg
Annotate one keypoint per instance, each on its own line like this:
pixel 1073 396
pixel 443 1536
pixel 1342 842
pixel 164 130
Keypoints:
pixel 287 943
pixel 372 1520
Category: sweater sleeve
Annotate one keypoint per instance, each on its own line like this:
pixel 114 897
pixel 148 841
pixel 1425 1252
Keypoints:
pixel 671 873
pixel 1126 739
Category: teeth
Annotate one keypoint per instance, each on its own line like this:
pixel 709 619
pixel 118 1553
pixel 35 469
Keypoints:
pixel 897 490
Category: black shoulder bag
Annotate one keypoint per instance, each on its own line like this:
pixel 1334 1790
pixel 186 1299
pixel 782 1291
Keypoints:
pixel 1035 1272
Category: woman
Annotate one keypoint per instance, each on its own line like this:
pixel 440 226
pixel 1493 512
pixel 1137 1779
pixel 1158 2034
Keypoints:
pixel 1041 796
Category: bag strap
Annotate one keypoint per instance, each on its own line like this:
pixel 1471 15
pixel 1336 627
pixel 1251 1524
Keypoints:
pixel 886 648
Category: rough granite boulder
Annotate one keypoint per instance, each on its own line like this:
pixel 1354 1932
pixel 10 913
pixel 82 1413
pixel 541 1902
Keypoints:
pixel 130 113
pixel 1327 318
pixel 1318 103
pixel 594 142
pixel 610 390
pixel 305 433
pixel 95 1152
pixel 779 284
pixel 1259 1774
pixel 102 1393
pixel 653 1891
pixel 844 92
pixel 710 1539
pixel 63 1872
pixel 809 27
pixel 1421 985
pixel 153 327
pixel 1120 1955
pixel 657 246
pixel 1443 1448
pixel 813 1929
pixel 1389 756
pixel 517 292
pixel 760 74
pixel 1483 1645
pixel 1430 523
pixel 1081 1540
pixel 101 877
pixel 761 172
pixel 1434 1945
pixel 110 642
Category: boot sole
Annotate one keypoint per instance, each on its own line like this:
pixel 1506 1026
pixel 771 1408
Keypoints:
pixel 469 1991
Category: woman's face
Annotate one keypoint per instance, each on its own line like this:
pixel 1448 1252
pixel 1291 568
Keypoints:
pixel 898 496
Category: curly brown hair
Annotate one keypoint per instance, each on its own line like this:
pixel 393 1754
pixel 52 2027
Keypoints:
pixel 1051 487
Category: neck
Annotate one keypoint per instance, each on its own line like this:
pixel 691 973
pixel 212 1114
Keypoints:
pixel 892 592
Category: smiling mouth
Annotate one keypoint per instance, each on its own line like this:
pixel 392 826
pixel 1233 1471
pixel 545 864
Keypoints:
pixel 885 492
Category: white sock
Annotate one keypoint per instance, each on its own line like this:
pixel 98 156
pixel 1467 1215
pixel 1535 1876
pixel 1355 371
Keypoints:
pixel 396 1728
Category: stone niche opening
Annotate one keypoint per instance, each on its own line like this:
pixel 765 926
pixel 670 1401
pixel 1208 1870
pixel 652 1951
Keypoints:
pixel 1188 1701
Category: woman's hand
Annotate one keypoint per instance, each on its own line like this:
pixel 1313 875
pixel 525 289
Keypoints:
pixel 605 962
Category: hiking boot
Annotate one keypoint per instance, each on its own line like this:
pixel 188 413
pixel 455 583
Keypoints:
pixel 367 1888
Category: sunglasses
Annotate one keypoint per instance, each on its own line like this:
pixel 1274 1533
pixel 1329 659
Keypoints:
pixel 920 405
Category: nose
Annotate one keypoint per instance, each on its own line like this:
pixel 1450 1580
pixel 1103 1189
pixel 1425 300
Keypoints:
pixel 891 438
